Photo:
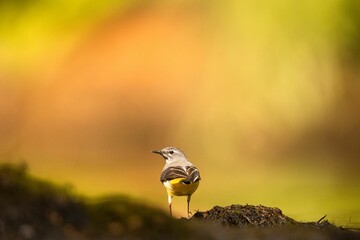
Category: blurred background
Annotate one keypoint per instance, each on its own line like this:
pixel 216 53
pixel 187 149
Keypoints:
pixel 263 97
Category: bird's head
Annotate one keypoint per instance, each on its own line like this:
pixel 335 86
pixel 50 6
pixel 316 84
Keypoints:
pixel 170 153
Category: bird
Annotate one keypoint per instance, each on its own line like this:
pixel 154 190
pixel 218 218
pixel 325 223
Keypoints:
pixel 179 176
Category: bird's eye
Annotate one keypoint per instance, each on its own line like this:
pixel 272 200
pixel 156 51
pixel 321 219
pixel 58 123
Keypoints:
pixel 171 152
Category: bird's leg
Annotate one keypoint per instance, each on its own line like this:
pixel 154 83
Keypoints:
pixel 188 205
pixel 170 201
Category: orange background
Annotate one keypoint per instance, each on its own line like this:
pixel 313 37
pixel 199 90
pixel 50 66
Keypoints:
pixel 263 98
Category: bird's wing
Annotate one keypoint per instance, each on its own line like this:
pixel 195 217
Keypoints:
pixel 194 174
pixel 190 173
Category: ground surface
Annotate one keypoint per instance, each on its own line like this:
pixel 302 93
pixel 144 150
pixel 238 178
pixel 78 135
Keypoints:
pixel 35 209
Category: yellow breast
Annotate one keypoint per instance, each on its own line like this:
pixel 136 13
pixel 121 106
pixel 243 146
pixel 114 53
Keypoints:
pixel 180 187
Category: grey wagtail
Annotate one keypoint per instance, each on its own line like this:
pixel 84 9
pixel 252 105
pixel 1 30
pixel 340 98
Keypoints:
pixel 179 176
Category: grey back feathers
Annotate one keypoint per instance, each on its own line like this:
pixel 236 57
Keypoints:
pixel 177 166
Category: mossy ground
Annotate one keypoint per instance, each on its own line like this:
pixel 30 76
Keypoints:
pixel 35 209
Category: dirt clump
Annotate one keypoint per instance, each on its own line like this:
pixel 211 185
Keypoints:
pixel 245 215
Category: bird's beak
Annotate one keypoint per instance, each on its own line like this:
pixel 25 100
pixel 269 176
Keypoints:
pixel 157 152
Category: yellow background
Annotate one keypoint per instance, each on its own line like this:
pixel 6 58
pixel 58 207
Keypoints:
pixel 262 96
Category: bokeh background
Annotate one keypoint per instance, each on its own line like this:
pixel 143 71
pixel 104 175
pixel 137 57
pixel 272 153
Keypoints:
pixel 263 96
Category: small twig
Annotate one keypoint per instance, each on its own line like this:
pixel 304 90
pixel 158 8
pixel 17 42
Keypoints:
pixel 321 219
pixel 349 221
pixel 248 219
